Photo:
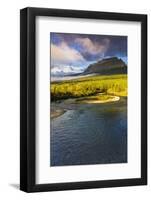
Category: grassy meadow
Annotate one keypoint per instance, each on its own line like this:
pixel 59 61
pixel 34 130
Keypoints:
pixel 115 85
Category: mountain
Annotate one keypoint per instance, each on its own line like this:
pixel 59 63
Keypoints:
pixel 106 66
pixel 65 70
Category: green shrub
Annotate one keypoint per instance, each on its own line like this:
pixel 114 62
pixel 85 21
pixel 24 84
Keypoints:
pixel 111 84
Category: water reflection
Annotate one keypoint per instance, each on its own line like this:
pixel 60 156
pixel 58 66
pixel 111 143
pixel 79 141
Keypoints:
pixel 89 134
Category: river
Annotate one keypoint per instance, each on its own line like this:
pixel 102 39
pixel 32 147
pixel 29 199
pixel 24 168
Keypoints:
pixel 89 133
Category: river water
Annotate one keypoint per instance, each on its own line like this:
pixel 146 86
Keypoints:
pixel 89 134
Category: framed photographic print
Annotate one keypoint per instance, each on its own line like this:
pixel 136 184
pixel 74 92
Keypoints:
pixel 83 95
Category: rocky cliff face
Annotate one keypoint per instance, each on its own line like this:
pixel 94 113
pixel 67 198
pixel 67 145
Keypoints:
pixel 111 65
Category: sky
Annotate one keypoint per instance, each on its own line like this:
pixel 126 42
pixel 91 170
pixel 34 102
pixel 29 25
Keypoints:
pixel 74 52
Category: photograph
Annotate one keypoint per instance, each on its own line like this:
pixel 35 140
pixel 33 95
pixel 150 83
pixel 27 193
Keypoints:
pixel 88 99
pixel 83 99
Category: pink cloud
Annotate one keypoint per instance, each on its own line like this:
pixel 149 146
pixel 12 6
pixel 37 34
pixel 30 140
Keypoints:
pixel 93 47
pixel 64 54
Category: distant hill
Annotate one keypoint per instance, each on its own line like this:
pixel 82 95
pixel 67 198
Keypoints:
pixel 107 66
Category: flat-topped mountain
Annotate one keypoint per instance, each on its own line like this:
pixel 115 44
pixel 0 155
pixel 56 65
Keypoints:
pixel 111 65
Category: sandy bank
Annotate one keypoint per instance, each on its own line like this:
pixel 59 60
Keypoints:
pixel 57 113
pixel 99 100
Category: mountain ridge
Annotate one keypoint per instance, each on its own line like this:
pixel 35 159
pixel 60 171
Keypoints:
pixel 112 65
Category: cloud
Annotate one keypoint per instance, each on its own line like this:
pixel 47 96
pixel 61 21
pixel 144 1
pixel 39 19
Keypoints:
pixel 92 47
pixel 63 54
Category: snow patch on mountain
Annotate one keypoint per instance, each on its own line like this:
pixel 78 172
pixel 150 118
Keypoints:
pixel 65 70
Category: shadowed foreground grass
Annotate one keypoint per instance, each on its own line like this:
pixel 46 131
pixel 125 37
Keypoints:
pixel 83 87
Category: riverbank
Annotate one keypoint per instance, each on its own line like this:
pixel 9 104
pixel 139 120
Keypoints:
pixel 101 98
pixel 57 109
pixel 57 112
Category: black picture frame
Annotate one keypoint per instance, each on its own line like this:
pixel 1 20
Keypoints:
pixel 28 98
